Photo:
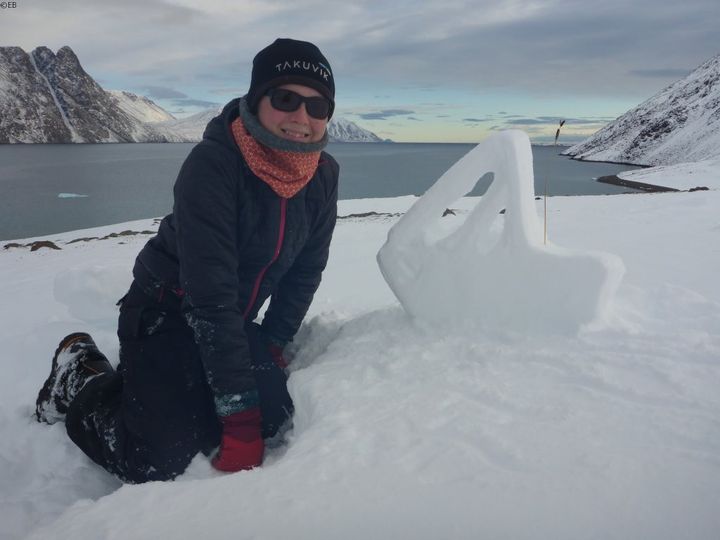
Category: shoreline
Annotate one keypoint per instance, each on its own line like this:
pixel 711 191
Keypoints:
pixel 574 157
pixel 642 186
pixel 348 210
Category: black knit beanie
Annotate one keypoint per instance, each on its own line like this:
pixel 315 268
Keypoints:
pixel 290 61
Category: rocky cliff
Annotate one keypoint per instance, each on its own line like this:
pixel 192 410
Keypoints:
pixel 28 111
pixel 48 97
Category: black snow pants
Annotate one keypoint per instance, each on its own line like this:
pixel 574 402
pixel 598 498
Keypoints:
pixel 150 418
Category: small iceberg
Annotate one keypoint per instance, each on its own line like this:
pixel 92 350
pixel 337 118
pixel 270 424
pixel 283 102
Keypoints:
pixel 71 195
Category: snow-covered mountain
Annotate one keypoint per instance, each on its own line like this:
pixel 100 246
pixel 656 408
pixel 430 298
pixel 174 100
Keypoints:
pixel 191 128
pixel 140 107
pixel 49 98
pixel 679 124
pixel 342 130
pixel 28 110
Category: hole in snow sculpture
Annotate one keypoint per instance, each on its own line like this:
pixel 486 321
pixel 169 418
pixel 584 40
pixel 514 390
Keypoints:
pixel 493 269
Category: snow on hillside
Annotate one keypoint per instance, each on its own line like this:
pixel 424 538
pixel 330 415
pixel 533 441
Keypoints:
pixel 140 107
pixel 48 97
pixel 679 124
pixel 343 130
pixel 28 110
pixel 701 174
pixel 403 432
pixel 191 128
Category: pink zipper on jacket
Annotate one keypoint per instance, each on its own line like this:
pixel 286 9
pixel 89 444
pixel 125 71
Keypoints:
pixel 278 247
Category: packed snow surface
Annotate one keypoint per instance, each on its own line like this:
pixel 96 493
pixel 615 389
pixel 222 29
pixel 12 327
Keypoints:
pixel 434 273
pixel 406 432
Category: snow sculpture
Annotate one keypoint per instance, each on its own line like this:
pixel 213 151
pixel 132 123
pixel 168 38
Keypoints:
pixel 493 269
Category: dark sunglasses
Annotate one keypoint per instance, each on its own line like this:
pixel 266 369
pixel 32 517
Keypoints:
pixel 289 101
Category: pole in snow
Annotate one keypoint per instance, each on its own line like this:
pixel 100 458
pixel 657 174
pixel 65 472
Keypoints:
pixel 545 221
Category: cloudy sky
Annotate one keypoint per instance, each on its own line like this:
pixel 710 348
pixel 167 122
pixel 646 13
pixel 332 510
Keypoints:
pixel 447 70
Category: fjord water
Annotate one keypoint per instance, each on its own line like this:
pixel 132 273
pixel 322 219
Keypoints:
pixel 47 189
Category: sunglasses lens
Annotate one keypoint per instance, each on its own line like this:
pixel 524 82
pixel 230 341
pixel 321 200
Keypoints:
pixel 289 101
pixel 317 108
pixel 285 100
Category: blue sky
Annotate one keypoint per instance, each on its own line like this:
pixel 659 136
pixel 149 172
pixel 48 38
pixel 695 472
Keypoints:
pixel 445 71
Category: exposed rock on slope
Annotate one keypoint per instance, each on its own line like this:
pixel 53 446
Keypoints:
pixel 679 124
pixel 49 98
pixel 27 108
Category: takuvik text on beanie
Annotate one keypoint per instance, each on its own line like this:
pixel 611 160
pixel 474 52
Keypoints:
pixel 288 61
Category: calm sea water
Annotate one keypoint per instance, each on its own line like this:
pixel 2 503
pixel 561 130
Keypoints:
pixel 46 189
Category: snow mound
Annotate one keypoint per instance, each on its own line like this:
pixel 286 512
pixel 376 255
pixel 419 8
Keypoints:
pixel 494 268
pixel 91 291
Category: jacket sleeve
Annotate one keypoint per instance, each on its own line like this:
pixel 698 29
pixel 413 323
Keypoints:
pixel 206 219
pixel 290 302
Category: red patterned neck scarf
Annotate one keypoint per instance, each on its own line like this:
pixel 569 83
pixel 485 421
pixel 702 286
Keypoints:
pixel 285 172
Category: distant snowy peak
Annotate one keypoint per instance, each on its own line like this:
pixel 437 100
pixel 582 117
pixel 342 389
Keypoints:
pixel 679 124
pixel 140 107
pixel 342 130
pixel 191 129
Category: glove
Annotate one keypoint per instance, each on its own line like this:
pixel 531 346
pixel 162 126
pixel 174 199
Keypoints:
pixel 241 446
pixel 276 353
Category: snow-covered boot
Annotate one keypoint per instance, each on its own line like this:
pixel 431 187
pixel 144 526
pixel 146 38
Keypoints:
pixel 76 361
